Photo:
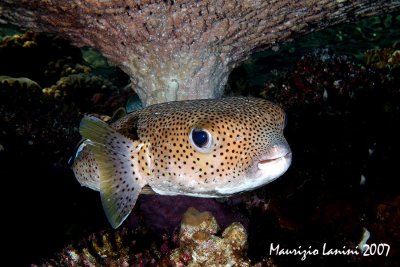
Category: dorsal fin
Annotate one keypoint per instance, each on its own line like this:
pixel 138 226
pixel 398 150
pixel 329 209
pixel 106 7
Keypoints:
pixel 120 178
pixel 119 113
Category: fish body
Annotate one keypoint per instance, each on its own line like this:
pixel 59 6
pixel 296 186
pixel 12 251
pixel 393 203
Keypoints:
pixel 202 148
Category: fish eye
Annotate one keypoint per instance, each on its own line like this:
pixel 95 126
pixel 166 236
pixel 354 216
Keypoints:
pixel 201 139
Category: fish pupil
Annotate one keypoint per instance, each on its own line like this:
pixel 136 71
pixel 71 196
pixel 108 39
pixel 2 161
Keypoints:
pixel 200 137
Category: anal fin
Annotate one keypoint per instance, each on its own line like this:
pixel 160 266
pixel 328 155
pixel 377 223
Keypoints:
pixel 147 190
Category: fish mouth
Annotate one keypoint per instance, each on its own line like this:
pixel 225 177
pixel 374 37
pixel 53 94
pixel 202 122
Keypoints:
pixel 265 164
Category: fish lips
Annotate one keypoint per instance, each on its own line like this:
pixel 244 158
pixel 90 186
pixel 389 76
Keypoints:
pixel 272 164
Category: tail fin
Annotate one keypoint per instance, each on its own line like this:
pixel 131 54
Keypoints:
pixel 120 179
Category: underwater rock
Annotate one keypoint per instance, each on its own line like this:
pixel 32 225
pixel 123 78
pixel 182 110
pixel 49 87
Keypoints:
pixel 200 246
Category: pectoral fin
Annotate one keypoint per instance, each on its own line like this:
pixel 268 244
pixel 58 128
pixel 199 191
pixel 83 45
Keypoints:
pixel 120 180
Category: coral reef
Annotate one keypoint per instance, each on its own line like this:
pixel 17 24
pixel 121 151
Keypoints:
pixel 337 140
pixel 316 78
pixel 55 66
pixel 40 111
pixel 182 50
pixel 38 132
pixel 198 245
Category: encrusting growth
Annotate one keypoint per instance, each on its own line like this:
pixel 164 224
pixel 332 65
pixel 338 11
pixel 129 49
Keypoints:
pixel 179 50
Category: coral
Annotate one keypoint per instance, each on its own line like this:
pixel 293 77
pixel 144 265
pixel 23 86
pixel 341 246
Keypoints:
pixel 323 79
pixel 21 82
pixel 384 57
pixel 386 63
pixel 59 71
pixel 76 83
pixel 118 248
pixel 186 49
pixel 62 68
pixel 30 55
pixel 199 245
pixel 51 63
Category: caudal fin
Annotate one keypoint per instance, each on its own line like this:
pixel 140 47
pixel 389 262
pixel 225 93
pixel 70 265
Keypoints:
pixel 116 155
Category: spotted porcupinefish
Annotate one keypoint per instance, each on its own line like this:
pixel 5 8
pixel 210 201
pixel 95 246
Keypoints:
pixel 202 148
